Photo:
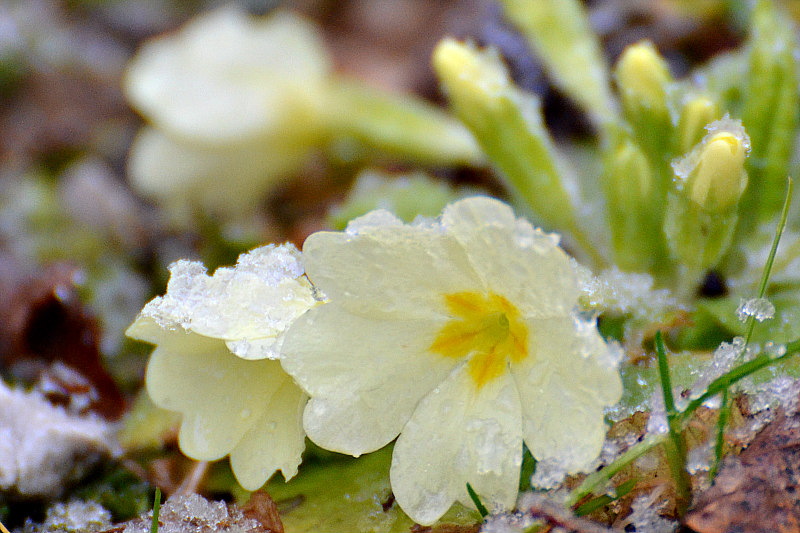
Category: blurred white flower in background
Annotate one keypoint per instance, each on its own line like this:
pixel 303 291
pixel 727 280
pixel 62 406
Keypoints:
pixel 231 101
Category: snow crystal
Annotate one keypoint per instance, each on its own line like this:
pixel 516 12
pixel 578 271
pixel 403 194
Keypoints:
pixel 657 423
pixel 645 516
pixel 192 513
pixel 75 516
pixel 759 308
pixel 783 391
pixel 42 447
pixel 624 292
pixel 507 523
pixel 725 356
pixel 550 473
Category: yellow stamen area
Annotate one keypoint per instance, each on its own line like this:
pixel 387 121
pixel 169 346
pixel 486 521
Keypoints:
pixel 487 328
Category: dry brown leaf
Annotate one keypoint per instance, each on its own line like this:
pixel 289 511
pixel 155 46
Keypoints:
pixel 44 328
pixel 758 490
pixel 261 508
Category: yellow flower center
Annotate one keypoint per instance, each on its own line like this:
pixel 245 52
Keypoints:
pixel 487 328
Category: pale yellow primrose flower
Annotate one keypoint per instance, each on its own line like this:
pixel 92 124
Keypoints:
pixel 245 406
pixel 231 98
pixel 461 335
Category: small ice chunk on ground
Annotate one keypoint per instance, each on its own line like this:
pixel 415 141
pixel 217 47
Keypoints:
pixel 645 517
pixel 725 356
pixel 759 308
pixel 191 513
pixel 75 516
pixel 657 423
pixel 782 391
pixel 550 473
pixel 700 457
pixel 623 292
pixel 43 448
pixel 507 523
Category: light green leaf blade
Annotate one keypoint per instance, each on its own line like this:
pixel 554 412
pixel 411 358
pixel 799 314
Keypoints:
pixel 558 32
pixel 348 496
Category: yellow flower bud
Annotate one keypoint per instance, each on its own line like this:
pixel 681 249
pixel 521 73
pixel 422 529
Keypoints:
pixel 642 76
pixel 634 178
pixel 695 115
pixel 480 72
pixel 630 190
pixel 713 173
pixel 702 209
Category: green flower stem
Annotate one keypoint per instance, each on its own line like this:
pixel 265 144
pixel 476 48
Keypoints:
pixel 719 385
pixel 559 33
pixel 770 111
pixel 719 445
pixel 399 125
pixel 675 448
pixel 725 407
pixel 507 123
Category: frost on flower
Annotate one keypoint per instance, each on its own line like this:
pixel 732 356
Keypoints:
pixel 461 336
pixel 245 406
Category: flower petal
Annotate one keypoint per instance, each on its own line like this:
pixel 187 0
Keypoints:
pixel 513 258
pixel 459 435
pixel 275 442
pixel 564 385
pixel 220 79
pixel 220 395
pixel 230 180
pixel 249 305
pixel 365 375
pixel 382 268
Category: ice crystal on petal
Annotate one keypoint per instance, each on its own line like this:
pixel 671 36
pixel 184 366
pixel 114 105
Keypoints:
pixel 249 305
pixel 217 340
pixel 759 308
pixel 549 474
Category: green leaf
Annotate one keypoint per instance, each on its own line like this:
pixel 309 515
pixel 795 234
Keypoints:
pixel 783 328
pixel 508 124
pixel 771 108
pixel 405 195
pixel 348 495
pixel 558 32
pixel 401 125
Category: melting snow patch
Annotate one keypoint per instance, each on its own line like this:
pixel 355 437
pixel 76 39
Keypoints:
pixel 73 517
pixel 42 447
pixel 192 513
